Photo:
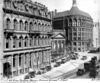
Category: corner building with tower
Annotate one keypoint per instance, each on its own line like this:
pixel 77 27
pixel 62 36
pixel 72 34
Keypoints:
pixel 77 26
pixel 25 37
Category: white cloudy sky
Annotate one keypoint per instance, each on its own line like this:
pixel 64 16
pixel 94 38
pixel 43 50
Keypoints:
pixel 89 6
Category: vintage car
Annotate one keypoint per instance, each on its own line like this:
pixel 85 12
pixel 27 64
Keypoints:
pixel 30 75
pixel 80 72
pixel 84 58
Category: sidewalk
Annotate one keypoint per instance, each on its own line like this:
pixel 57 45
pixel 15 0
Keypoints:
pixel 55 73
pixel 68 67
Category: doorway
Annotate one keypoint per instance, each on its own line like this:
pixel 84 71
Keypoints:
pixel 6 69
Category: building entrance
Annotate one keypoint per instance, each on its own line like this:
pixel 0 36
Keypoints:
pixel 6 70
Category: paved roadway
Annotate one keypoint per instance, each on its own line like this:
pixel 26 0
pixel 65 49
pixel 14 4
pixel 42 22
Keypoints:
pixel 72 74
pixel 85 76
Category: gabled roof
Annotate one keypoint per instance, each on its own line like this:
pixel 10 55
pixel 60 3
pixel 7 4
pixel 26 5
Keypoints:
pixel 58 36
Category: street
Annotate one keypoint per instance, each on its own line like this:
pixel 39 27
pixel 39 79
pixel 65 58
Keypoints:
pixel 72 74
pixel 66 71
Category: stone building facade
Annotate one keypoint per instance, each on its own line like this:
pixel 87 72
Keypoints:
pixel 58 46
pixel 25 37
pixel 97 34
pixel 78 26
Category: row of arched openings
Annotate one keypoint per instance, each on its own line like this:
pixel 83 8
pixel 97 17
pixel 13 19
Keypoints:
pixel 24 25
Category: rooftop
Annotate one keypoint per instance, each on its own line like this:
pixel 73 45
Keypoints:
pixel 73 11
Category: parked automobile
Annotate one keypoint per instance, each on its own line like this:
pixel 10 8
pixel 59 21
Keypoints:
pixel 63 60
pixel 48 68
pixel 27 77
pixel 87 66
pixel 39 73
pixel 93 73
pixel 84 58
pixel 58 63
pixel 42 70
pixel 30 75
pixel 80 72
pixel 73 58
pixel 98 66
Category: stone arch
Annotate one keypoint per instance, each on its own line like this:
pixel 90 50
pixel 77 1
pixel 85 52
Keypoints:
pixel 21 23
pixel 31 25
pixel 8 42
pixel 26 41
pixel 70 21
pixel 26 26
pixel 80 20
pixel 74 21
pixel 8 23
pixel 15 38
pixel 15 24
pixel 7 3
pixel 21 41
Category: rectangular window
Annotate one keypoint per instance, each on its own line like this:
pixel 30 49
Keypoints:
pixel 19 60
pixel 14 61
pixel 74 43
pixel 7 45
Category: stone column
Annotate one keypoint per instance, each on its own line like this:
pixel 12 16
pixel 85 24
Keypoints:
pixel 24 62
pixel 50 56
pixel 1 39
pixel 17 43
pixel 11 44
pixel 31 60
pixel 12 65
pixel 23 42
pixel 28 42
pixel 17 63
pixel 33 41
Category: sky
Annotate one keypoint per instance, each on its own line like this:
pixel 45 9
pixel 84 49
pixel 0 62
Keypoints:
pixel 89 6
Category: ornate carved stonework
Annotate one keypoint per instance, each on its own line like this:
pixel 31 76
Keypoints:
pixel 27 6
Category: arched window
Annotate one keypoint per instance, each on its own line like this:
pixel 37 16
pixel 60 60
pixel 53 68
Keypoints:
pixel 26 26
pixel 20 60
pixel 26 42
pixel 39 26
pixel 25 58
pixel 20 41
pixel 15 24
pixel 14 60
pixel 14 42
pixel 31 42
pixel 8 40
pixel 21 25
pixel 70 22
pixel 78 22
pixel 35 41
pixel 8 23
pixel 74 22
pixel 35 26
pixel 7 3
pixel 31 26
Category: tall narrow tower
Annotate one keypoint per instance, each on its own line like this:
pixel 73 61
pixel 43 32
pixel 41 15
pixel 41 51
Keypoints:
pixel 74 3
pixel 1 38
